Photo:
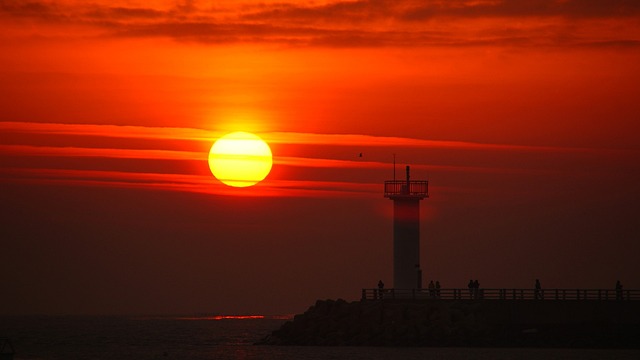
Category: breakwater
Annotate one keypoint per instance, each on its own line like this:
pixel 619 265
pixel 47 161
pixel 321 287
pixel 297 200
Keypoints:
pixel 485 323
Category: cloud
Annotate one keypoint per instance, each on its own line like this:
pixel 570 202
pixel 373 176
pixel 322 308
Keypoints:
pixel 313 173
pixel 27 9
pixel 69 151
pixel 292 161
pixel 117 131
pixel 571 9
pixel 202 184
pixel 368 11
pixel 291 138
pixel 138 168
pixel 146 168
pixel 391 141
pixel 123 13
pixel 363 23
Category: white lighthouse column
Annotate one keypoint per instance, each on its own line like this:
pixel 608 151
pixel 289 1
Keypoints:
pixel 406 195
pixel 406 243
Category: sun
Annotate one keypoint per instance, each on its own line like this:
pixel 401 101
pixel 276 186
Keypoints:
pixel 240 159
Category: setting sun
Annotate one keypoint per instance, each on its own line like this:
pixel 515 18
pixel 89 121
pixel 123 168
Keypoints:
pixel 240 159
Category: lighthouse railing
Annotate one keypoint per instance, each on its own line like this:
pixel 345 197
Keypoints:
pixel 402 187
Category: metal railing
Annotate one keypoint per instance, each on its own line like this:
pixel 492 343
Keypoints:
pixel 404 188
pixel 501 294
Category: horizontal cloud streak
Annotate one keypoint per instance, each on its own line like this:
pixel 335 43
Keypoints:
pixel 29 150
pixel 145 177
pixel 390 141
pixel 174 133
pixel 118 131
pixel 370 23
pixel 184 183
pixel 304 162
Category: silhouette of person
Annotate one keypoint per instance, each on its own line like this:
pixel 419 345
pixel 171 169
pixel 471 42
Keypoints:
pixel 538 290
pixel 380 288
pixel 437 288
pixel 432 291
pixel 470 286
pixel 476 288
pixel 618 290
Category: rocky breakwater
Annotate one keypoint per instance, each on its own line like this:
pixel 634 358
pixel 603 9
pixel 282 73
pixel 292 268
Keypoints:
pixel 377 323
pixel 449 323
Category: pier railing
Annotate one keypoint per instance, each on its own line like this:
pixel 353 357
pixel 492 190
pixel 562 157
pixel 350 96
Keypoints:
pixel 501 294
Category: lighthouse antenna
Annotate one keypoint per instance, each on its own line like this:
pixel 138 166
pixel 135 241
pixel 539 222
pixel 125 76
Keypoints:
pixel 394 167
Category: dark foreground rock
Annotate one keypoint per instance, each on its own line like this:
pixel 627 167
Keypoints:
pixel 464 323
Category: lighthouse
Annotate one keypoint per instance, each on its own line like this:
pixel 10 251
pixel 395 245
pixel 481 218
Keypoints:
pixel 406 195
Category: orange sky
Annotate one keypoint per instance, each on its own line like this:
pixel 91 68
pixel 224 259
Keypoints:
pixel 523 116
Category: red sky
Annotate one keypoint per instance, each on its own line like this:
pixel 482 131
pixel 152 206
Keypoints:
pixel 522 115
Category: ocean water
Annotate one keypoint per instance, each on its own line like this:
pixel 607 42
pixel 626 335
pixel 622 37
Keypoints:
pixel 89 338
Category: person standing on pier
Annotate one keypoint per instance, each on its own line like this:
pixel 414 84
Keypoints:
pixel 618 290
pixel 432 289
pixel 476 289
pixel 380 288
pixel 437 288
pixel 538 290
pixel 470 286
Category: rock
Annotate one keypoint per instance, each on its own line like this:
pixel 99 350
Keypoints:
pixel 457 323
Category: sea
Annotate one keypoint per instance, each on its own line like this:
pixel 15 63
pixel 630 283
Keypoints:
pixel 222 337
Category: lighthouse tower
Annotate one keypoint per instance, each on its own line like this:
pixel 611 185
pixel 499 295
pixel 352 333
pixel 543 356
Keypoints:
pixel 406 196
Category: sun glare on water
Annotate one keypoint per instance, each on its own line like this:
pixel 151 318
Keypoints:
pixel 240 159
